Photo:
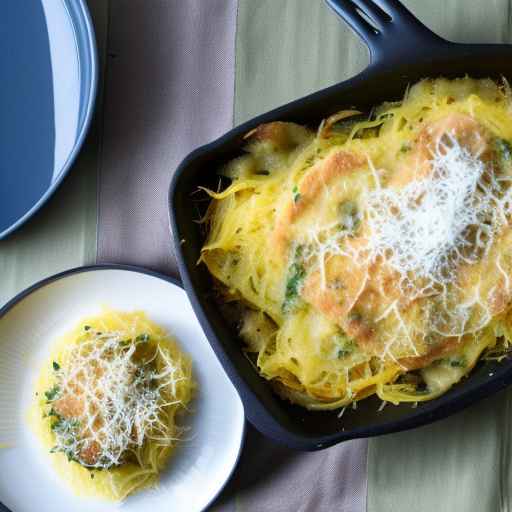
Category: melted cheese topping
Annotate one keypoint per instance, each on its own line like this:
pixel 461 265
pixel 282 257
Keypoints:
pixel 374 248
pixel 422 228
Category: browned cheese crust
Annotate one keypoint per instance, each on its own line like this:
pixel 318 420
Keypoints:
pixel 355 295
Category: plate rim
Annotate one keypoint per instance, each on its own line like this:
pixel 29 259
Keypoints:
pixel 23 294
pixel 80 19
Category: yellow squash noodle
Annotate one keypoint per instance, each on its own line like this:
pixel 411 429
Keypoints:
pixel 118 351
pixel 373 255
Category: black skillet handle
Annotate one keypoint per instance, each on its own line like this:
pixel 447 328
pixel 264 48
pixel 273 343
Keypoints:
pixel 391 32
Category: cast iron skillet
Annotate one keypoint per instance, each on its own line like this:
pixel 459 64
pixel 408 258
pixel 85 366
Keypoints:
pixel 402 51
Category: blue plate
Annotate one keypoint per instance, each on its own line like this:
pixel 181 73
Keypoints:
pixel 47 91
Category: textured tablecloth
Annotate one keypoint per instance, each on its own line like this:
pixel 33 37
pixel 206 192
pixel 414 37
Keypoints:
pixel 176 74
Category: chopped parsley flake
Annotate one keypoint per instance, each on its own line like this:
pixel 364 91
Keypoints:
pixel 504 149
pixel 350 218
pixel 296 274
pixel 346 346
pixel 296 194
pixel 457 362
pixel 52 393
pixel 355 316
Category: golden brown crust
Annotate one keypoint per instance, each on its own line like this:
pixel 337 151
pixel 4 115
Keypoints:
pixel 492 275
pixel 69 406
pixel 73 407
pixel 354 295
pixel 340 163
pixel 466 130
pixel 90 453
pixel 281 135
pixel 436 352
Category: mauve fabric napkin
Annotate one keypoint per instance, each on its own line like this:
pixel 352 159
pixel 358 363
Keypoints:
pixel 168 89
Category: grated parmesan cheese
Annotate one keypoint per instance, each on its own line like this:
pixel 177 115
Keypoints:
pixel 432 225
pixel 424 232
pixel 119 399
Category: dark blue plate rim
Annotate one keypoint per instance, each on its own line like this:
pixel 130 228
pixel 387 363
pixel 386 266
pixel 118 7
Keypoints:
pixel 88 60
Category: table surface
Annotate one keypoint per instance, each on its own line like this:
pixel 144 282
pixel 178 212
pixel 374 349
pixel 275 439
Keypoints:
pixel 151 110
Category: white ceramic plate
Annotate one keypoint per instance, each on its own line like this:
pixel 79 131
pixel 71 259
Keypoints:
pixel 34 319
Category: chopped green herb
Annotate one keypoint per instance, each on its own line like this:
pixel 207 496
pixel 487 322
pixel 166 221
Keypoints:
pixel 87 327
pixel 346 351
pixel 457 362
pixel 65 427
pixel 354 316
pixel 345 345
pixel 56 366
pixel 263 172
pixel 296 274
pixel 342 352
pixel 454 362
pixel 405 147
pixel 504 149
pixel 296 194
pixel 92 476
pixel 71 456
pixel 350 218
pixel 52 393
pixel 142 337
